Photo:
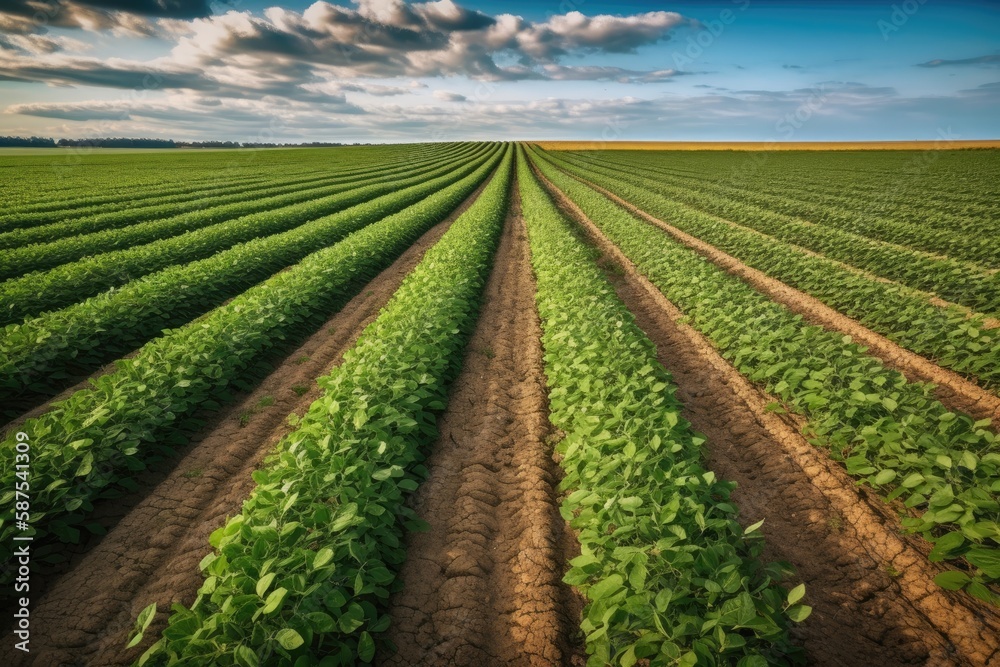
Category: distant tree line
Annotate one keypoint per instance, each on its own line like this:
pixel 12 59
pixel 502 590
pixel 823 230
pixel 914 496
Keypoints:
pixel 27 142
pixel 116 142
pixel 123 142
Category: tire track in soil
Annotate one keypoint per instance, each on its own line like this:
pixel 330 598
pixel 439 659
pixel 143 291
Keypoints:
pixel 484 585
pixel 870 587
pixel 152 554
pixel 953 390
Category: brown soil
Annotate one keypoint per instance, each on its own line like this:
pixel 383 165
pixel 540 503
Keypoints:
pixel 953 390
pixel 152 554
pixel 871 588
pixel 483 585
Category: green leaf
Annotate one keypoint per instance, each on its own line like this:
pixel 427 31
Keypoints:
pixel 885 477
pixel 366 647
pixel 945 545
pixel 264 583
pixel 360 418
pixel 274 600
pixel 754 527
pixel 987 560
pixel 605 587
pixel 952 580
pixel 345 518
pixel 246 656
pixel 323 556
pixel 352 619
pixel 631 503
pixel 145 617
pixel 289 639
pixel 321 622
pixel 799 612
pixel 796 594
pixel 86 465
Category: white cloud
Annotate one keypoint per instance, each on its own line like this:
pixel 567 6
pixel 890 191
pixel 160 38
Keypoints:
pixel 799 114
pixel 448 96
pixel 614 34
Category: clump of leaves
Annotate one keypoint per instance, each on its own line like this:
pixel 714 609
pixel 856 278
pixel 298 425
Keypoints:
pixel 245 416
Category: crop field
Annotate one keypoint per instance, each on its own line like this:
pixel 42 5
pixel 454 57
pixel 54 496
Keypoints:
pixel 494 403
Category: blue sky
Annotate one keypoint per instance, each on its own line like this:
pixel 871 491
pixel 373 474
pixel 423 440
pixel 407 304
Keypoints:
pixel 387 70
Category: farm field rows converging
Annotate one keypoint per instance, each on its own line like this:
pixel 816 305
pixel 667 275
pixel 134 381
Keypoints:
pixel 503 403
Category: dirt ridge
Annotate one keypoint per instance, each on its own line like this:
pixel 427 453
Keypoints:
pixel 864 579
pixel 483 585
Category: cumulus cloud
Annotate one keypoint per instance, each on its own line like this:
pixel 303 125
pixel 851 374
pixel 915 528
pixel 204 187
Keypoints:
pixel 111 73
pixel 574 31
pixel 121 17
pixel 37 45
pixel 210 117
pixel 979 60
pixel 448 96
pixel 330 64
pixel 63 11
pixel 605 73
pixel 374 89
pixel 801 113
pixel 326 50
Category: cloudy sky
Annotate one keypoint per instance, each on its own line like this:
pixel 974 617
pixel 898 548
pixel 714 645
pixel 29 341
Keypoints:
pixel 390 70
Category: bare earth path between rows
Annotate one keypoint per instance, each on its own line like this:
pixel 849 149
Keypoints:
pixel 871 588
pixel 483 585
pixel 152 554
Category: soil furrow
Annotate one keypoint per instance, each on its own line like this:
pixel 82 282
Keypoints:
pixel 483 585
pixel 152 554
pixel 865 581
pixel 953 390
